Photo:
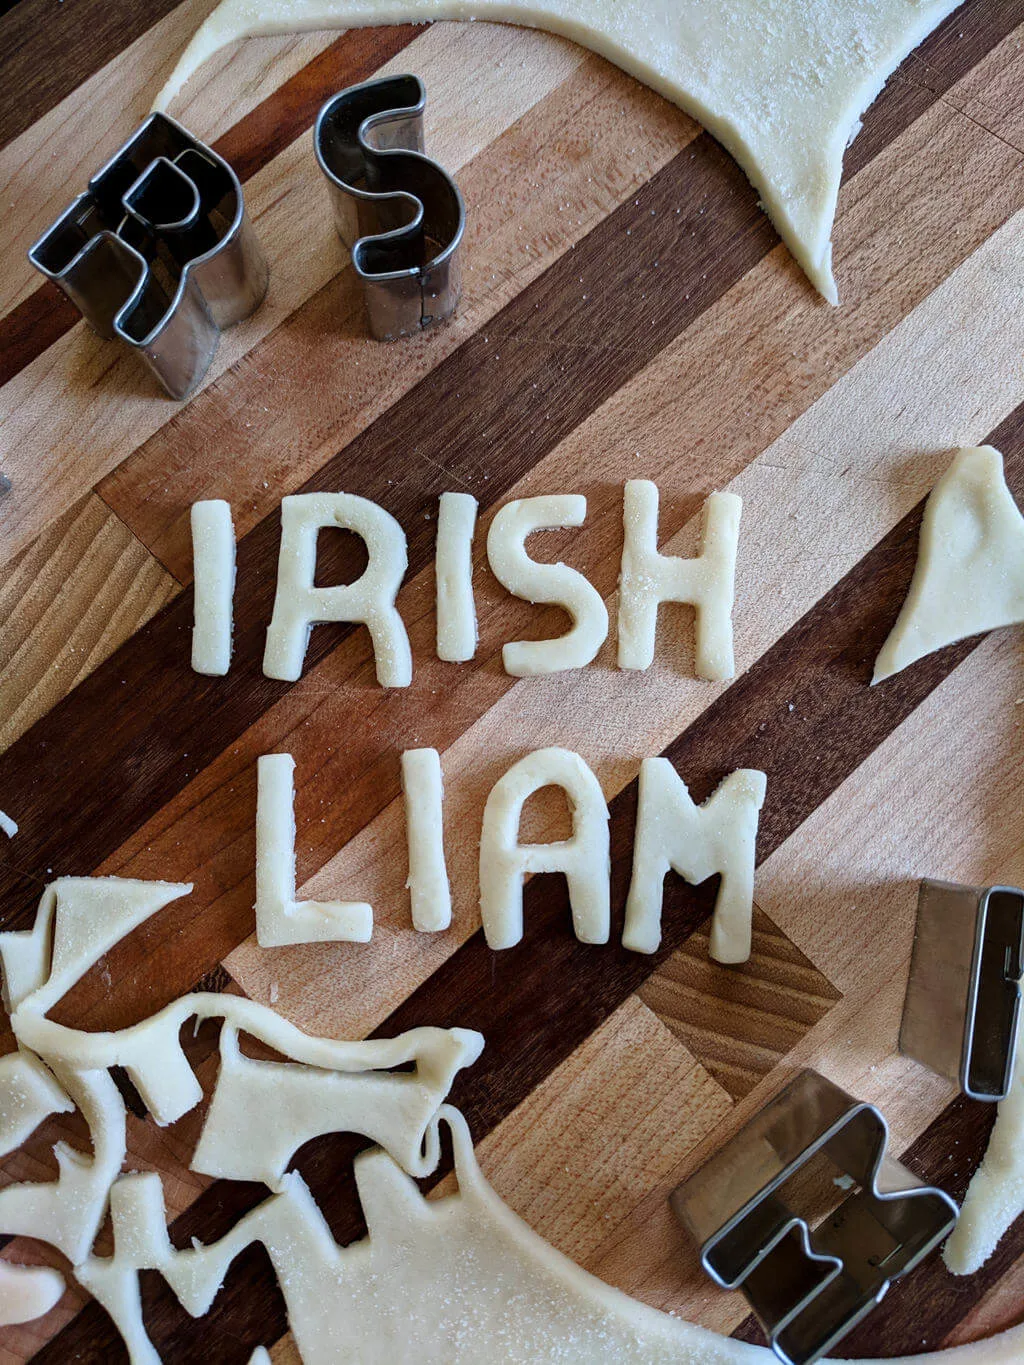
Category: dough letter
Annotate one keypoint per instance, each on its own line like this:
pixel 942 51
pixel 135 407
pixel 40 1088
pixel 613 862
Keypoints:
pixel 280 918
pixel 369 600
pixel 696 842
pixel 584 858
pixel 453 568
pixel 649 578
pixel 213 573
pixel 428 876
pixel 548 583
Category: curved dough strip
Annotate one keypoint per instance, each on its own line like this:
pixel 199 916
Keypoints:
pixel 27 1292
pixel 439 1272
pixel 969 575
pixel 782 84
pixel 995 1196
pixel 28 1094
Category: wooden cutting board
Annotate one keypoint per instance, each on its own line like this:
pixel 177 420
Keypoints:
pixel 628 311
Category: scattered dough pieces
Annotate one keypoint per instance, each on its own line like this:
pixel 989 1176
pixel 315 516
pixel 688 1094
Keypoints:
pixel 969 575
pixel 78 920
pixel 213 573
pixel 995 1196
pixel 782 84
pixel 423 789
pixel 453 570
pixel 434 1271
pixel 28 1094
pixel 696 842
pixel 552 584
pixel 649 578
pixel 280 918
pixel 281 1105
pixel 370 600
pixel 7 825
pixel 584 858
pixel 27 1292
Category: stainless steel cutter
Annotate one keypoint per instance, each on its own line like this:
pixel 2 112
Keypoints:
pixel 804 1211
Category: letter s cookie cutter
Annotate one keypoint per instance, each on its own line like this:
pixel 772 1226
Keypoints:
pixel 399 213
pixel 158 252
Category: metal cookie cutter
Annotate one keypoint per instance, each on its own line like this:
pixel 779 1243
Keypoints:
pixel 805 1213
pixel 962 1011
pixel 159 252
pixel 401 215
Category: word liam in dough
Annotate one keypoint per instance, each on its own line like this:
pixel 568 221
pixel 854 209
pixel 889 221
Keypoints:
pixel 213 573
pixel 969 575
pixel 553 584
pixel 648 578
pixel 584 857
pixel 995 1196
pixel 280 918
pixel 696 842
pixel 782 84
pixel 370 600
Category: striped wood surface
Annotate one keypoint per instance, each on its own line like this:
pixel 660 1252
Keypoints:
pixel 628 311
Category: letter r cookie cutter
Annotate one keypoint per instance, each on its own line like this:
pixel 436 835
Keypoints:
pixel 158 252
pixel 399 213
pixel 804 1211
pixel 962 1012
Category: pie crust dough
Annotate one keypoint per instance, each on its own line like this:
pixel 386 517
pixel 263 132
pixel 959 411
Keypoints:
pixel 696 842
pixel 423 790
pixel 584 858
pixel 782 84
pixel 453 570
pixel 995 1196
pixel 280 918
pixel 7 825
pixel 552 584
pixel 299 604
pixel 28 1095
pixel 969 575
pixel 649 578
pixel 213 573
pixel 27 1292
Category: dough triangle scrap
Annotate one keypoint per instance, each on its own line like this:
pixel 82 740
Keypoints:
pixel 969 575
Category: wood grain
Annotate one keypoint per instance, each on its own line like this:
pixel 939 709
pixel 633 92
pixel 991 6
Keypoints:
pixel 627 311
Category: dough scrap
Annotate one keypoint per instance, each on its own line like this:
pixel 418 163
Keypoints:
pixel 453 572
pixel 213 574
pixel 462 1276
pixel 995 1196
pixel 696 842
pixel 28 1095
pixel 649 578
pixel 969 575
pixel 78 920
pixel 7 825
pixel 782 84
pixel 370 600
pixel 552 584
pixel 281 1105
pixel 584 858
pixel 280 918
pixel 423 791
pixel 27 1292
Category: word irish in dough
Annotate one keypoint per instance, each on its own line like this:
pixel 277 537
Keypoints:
pixel 672 833
pixel 648 578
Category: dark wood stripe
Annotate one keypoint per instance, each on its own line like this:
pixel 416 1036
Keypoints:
pixel 697 212
pixel 47 49
pixel 47 314
pixel 806 715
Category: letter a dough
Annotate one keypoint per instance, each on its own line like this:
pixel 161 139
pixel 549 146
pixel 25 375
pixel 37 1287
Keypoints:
pixel 969 575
